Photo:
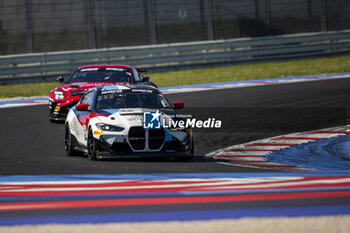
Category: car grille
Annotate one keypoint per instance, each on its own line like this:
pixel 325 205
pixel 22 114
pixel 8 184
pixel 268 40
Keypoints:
pixel 155 138
pixel 137 138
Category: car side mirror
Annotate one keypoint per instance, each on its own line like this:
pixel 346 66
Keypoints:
pixel 178 104
pixel 60 79
pixel 144 78
pixel 82 107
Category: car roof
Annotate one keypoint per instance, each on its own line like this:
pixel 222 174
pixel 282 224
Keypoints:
pixel 126 87
pixel 103 66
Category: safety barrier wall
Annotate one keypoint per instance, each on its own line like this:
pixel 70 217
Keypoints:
pixel 176 56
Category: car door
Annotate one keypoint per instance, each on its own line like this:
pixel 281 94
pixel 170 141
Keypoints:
pixel 83 118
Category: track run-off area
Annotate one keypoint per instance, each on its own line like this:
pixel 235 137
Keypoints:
pixel 39 184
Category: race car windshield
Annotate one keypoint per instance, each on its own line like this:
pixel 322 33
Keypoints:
pixel 109 74
pixel 131 100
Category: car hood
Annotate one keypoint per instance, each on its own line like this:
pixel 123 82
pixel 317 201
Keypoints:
pixel 129 116
pixel 79 88
pixel 84 86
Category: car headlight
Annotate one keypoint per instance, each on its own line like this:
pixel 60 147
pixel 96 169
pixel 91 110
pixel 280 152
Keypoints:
pixel 59 95
pixel 106 127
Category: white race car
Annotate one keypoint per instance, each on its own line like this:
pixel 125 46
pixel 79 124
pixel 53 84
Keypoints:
pixel 126 121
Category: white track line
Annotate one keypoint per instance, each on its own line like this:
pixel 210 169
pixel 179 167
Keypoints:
pixel 243 154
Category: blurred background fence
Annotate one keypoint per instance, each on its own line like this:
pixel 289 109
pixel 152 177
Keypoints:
pixel 32 26
pixel 164 57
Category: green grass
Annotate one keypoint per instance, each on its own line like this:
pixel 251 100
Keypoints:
pixel 26 90
pixel 254 71
pixel 331 65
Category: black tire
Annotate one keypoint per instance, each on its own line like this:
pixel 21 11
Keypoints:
pixel 69 142
pixel 92 146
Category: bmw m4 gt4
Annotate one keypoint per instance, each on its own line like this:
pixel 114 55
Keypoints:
pixel 127 121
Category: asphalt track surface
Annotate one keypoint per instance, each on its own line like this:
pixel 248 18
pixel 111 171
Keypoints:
pixel 30 145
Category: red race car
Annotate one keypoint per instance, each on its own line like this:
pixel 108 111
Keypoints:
pixel 62 98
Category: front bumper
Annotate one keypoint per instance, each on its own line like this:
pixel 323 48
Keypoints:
pixel 140 155
pixel 118 147
pixel 59 111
